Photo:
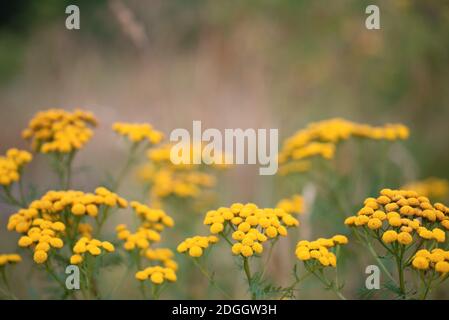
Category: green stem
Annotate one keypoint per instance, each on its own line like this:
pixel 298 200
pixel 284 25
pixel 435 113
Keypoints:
pixel 210 278
pixel 8 293
pixel 11 199
pixel 426 292
pixel 270 253
pixel 49 270
pixel 248 276
pixel 376 257
pixel 68 174
pixel 401 272
pixel 294 284
pixel 123 172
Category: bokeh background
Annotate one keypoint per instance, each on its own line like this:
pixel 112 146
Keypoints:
pixel 230 64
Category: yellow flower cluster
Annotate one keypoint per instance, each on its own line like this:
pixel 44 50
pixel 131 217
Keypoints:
pixel 320 139
pixel 161 156
pixel 157 274
pixel 11 165
pixel 195 245
pixel 163 255
pixel 92 246
pixel 292 205
pixel 168 182
pixel 58 130
pixel 319 250
pixel 292 167
pixel 396 215
pixel 251 227
pixel 55 202
pixel 437 259
pixel 153 221
pixel 431 187
pixel 137 132
pixel 9 259
pixel 42 236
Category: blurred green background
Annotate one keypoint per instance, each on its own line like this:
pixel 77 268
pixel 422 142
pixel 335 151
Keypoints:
pixel 230 64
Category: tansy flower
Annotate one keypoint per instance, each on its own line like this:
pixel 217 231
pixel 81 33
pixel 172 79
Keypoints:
pixel 38 233
pixel 11 165
pixel 195 246
pixel 57 130
pixel 94 247
pixel 163 255
pixel 11 258
pixel 319 139
pixel 407 213
pixel 253 225
pixel 137 132
pixel 157 275
pixel 420 263
pixel 292 205
pixel 152 223
pixel 319 251
pixel 431 187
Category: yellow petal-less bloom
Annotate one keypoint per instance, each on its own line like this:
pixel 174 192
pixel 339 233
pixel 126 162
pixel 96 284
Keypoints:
pixel 442 267
pixel 420 263
pixel 11 165
pixel 292 205
pixel 156 274
pixel 137 132
pixel 89 246
pixel 40 256
pixel 253 226
pixel 76 259
pixel 319 250
pixel 405 238
pixel 320 139
pixel 390 236
pixel 152 223
pixel 431 187
pixel 9 259
pixel 61 131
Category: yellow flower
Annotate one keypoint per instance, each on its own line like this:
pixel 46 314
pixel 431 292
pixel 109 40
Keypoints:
pixel 137 132
pixel 271 232
pixel 76 259
pixel 40 256
pixel 420 263
pixel 157 278
pixel 389 236
pixel 56 243
pixel 319 139
pixel 141 275
pixel 216 228
pixel 195 251
pixel 431 187
pixel 439 235
pixel 294 204
pixel 11 165
pixel 374 223
pixel 157 275
pixel 247 251
pixel 404 238
pixel 9 259
pixel 109 247
pixel 303 255
pixel 340 239
pixel 25 241
pixel 57 130
pixel 442 267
